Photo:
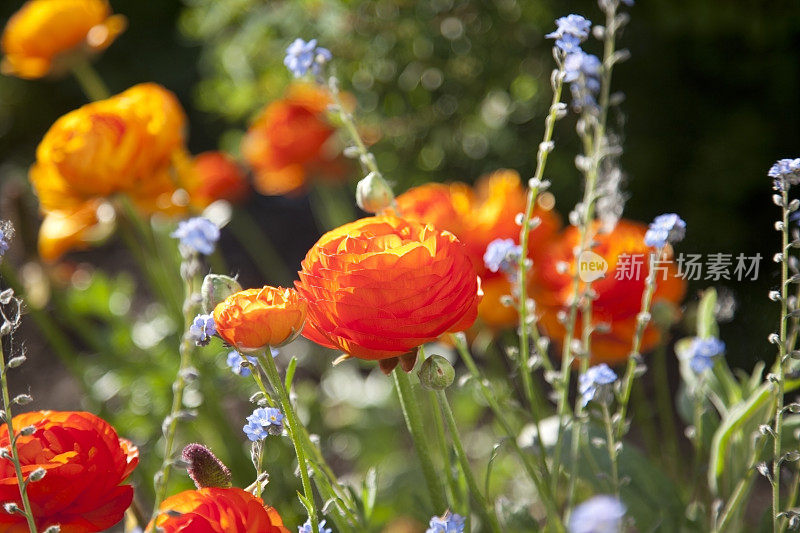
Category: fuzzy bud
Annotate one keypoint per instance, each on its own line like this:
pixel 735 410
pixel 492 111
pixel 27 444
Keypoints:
pixel 204 467
pixel 373 194
pixel 37 475
pixel 436 373
pixel 216 288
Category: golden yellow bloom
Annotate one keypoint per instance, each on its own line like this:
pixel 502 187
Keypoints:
pixel 44 31
pixel 253 319
pixel 131 143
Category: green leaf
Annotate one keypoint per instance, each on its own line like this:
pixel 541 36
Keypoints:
pixel 290 373
pixel 369 491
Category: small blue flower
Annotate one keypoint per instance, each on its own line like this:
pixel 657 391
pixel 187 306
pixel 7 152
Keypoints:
pixel 601 514
pixel 263 422
pixel 595 384
pixel 582 71
pixel 449 523
pixel 202 329
pixel 785 171
pixel 306 528
pixel 502 254
pixel 235 361
pixel 198 234
pixel 302 56
pixel 3 242
pixel 702 353
pixel 569 44
pixel 665 229
pixel 572 25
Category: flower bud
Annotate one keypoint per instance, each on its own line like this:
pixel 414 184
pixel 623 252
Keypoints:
pixel 216 288
pixel 204 467
pixel 37 475
pixel 436 373
pixel 373 194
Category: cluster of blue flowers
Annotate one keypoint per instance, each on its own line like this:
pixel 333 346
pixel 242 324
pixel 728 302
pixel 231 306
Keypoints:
pixel 448 523
pixel 601 514
pixel 502 255
pixel 702 353
pixel 264 421
pixel 306 528
pixel 202 329
pixel 665 229
pixel 596 384
pixel 302 57
pixel 581 70
pixel 198 234
pixel 783 172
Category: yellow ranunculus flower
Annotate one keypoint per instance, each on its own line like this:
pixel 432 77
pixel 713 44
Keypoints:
pixel 131 143
pixel 43 31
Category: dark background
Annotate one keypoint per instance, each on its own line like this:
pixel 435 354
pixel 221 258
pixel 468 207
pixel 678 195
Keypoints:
pixel 712 100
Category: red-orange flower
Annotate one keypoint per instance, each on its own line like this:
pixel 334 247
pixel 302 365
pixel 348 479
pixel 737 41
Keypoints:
pixel 380 286
pixel 131 143
pixel 285 144
pixel 618 300
pixel 255 318
pixel 218 510
pixel 85 462
pixel 43 31
pixel 217 177
pixel 477 216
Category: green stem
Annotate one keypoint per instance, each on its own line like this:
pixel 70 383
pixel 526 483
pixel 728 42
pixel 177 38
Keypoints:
pixel 450 485
pixel 90 81
pixel 484 508
pixel 642 320
pixel 186 350
pixel 740 492
pixel 612 448
pixel 544 490
pixel 12 440
pixel 779 388
pixel 268 363
pixel 666 408
pixel 413 418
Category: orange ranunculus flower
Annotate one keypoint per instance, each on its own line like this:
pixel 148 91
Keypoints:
pixel 618 300
pixel 478 216
pixel 253 319
pixel 381 286
pixel 218 510
pixel 85 463
pixel 131 143
pixel 218 177
pixel 43 31
pixel 285 144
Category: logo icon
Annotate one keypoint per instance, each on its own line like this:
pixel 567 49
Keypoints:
pixel 591 266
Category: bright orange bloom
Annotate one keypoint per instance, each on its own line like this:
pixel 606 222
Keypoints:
pixel 85 462
pixel 618 300
pixel 478 216
pixel 255 318
pixel 381 286
pixel 218 177
pixel 131 143
pixel 285 144
pixel 219 510
pixel 43 32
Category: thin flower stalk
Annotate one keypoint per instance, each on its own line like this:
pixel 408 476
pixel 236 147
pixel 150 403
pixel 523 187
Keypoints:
pixel 90 81
pixel 643 318
pixel 543 489
pixel 594 146
pixel 484 509
pixel 527 324
pixel 293 423
pixel 326 481
pixel 186 349
pixel 11 323
pixel 780 362
pixel 413 417
pixel 611 446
